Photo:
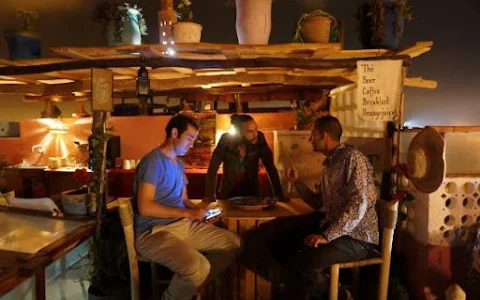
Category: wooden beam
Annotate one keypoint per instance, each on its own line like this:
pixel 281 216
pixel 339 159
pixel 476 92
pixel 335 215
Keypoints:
pixel 45 89
pixel 230 90
pixel 233 80
pixel 416 50
pixel 420 83
pixel 57 98
pixel 194 64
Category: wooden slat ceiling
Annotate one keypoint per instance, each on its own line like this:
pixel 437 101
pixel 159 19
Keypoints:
pixel 198 66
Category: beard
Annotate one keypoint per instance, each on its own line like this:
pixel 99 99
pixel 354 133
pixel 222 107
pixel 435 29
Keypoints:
pixel 180 151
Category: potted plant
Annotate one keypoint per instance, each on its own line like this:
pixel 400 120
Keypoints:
pixel 6 194
pixel 186 31
pixel 254 21
pixel 108 274
pixel 381 23
pixel 122 24
pixel 317 27
pixel 24 43
pixel 79 201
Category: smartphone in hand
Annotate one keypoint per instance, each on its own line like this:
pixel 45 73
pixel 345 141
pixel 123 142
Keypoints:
pixel 213 213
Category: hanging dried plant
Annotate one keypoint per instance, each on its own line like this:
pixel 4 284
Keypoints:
pixel 116 14
pixel 184 12
pixel 373 14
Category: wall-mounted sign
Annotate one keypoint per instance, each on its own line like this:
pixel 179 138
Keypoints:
pixel 102 89
pixel 379 88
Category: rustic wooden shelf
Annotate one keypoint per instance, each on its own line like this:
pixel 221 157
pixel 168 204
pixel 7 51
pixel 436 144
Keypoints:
pixel 197 67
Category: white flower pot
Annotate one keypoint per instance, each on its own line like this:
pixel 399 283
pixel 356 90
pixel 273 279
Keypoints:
pixel 254 21
pixel 187 32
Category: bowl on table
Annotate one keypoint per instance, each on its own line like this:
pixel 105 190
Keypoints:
pixel 251 203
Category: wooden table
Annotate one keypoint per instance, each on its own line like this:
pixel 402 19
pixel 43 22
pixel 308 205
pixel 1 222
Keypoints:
pixel 34 264
pixel 246 285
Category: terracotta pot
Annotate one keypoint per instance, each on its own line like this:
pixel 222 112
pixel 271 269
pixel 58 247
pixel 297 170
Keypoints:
pixel 187 32
pixel 254 21
pixel 316 30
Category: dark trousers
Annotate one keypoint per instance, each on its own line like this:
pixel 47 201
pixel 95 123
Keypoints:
pixel 288 260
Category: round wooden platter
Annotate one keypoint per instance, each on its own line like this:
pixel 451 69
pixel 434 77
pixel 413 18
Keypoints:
pixel 251 203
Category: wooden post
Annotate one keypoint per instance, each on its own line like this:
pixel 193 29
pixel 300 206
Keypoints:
pixel 391 209
pixel 238 104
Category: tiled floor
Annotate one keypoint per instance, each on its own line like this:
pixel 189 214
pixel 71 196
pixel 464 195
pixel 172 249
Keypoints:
pixel 69 285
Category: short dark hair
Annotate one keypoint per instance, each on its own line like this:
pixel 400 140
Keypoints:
pixel 181 122
pixel 330 125
pixel 237 120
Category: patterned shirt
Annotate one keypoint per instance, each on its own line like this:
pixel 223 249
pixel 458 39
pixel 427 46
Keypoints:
pixel 347 194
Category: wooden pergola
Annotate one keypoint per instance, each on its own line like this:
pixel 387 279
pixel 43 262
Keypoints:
pixel 200 69
pixel 280 72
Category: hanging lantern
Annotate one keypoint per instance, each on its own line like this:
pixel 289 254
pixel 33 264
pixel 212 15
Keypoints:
pixel 143 82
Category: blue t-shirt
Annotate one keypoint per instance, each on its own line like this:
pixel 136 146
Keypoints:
pixel 169 178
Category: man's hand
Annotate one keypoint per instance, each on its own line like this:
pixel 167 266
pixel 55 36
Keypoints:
pixel 209 199
pixel 313 240
pixel 197 214
pixel 212 220
pixel 291 174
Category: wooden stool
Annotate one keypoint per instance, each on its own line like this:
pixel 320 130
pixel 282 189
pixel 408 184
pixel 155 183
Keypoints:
pixel 126 217
pixel 388 221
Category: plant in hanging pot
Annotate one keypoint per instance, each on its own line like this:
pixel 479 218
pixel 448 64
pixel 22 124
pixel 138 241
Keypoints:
pixel 122 24
pixel 24 43
pixel 381 23
pixel 254 21
pixel 79 201
pixel 186 31
pixel 317 27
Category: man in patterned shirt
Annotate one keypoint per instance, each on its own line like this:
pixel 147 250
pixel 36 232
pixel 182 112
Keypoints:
pixel 346 194
pixel 343 227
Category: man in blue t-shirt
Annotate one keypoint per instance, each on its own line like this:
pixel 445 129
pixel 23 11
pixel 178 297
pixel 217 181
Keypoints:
pixel 170 229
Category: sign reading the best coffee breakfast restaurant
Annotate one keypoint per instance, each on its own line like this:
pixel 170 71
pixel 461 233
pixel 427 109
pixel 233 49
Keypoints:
pixel 379 89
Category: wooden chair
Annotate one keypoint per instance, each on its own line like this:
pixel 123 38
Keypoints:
pixel 388 221
pixel 126 217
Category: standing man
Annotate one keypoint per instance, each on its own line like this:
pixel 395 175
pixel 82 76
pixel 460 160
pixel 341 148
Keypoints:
pixel 240 154
pixel 170 229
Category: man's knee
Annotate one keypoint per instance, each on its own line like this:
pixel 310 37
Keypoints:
pixel 236 243
pixel 195 269
pixel 231 242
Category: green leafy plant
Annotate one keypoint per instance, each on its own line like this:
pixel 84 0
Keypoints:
pixel 116 14
pixel 334 32
pixel 373 15
pixel 184 12
pixel 99 250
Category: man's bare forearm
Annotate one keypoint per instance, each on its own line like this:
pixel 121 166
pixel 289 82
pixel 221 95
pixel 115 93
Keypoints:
pixel 189 204
pixel 156 210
